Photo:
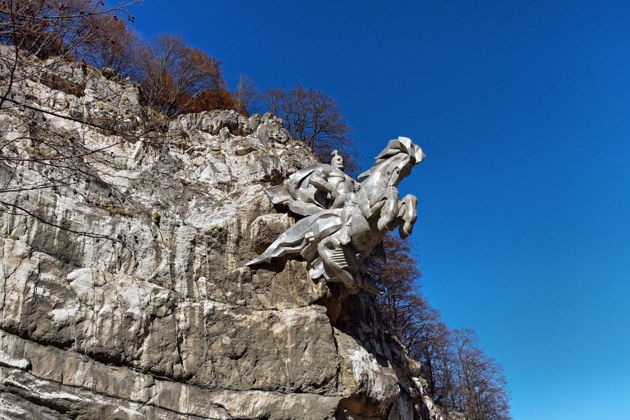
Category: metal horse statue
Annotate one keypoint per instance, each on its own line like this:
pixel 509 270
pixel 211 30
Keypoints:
pixel 336 241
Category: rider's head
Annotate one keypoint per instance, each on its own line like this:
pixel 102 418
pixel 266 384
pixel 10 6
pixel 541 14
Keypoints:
pixel 337 160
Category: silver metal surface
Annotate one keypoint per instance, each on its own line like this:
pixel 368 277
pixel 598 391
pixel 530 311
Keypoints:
pixel 344 221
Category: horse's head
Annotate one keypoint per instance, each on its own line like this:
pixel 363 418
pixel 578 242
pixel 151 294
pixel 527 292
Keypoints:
pixel 395 161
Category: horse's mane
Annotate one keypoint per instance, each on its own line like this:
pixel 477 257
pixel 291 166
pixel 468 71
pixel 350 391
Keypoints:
pixel 393 148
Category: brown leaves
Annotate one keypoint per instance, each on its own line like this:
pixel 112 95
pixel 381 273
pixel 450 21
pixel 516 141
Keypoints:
pixel 46 29
pixel 178 78
pixel 112 44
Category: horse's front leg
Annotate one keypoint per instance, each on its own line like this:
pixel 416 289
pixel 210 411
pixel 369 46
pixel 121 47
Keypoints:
pixel 389 212
pixel 408 212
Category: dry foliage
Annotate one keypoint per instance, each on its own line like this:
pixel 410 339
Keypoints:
pixel 53 28
pixel 176 77
pixel 172 74
pixel 114 46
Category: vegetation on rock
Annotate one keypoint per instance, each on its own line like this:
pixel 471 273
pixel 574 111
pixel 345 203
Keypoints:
pixel 459 376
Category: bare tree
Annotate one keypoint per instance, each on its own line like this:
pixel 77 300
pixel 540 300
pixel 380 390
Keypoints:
pixel 482 384
pixel 396 274
pixel 459 376
pixel 312 117
pixel 246 93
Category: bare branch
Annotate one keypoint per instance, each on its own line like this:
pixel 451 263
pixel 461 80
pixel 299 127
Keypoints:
pixel 47 222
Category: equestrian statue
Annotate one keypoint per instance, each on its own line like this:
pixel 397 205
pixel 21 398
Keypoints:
pixel 344 221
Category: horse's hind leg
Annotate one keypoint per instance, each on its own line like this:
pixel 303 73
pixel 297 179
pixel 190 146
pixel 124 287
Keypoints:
pixel 331 253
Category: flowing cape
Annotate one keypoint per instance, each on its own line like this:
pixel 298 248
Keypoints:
pixel 303 237
pixel 298 194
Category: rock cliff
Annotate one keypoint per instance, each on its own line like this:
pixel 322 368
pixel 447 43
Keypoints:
pixel 124 290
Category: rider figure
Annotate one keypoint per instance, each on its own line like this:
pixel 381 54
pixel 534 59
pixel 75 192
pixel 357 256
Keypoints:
pixel 341 188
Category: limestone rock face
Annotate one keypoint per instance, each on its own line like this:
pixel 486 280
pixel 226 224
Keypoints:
pixel 124 292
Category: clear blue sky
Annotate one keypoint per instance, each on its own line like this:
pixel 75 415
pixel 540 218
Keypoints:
pixel 523 110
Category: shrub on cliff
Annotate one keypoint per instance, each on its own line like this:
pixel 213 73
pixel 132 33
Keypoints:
pixel 313 117
pixel 177 78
